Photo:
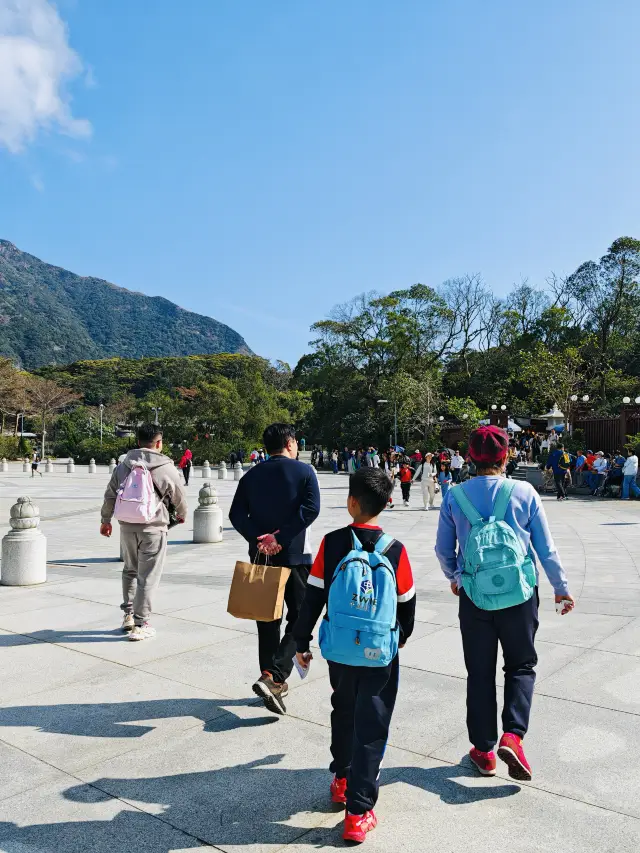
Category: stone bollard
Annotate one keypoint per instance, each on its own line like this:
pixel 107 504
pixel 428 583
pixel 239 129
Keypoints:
pixel 237 471
pixel 4 467
pixel 222 471
pixel 24 548
pixel 71 468
pixel 206 470
pixel 112 465
pixel 92 466
pixel 25 466
pixel 207 518
pixel 48 468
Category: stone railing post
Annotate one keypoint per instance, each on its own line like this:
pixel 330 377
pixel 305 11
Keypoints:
pixel 112 465
pixel 207 518
pixel 206 470
pixel 24 548
pixel 4 467
pixel 48 468
pixel 237 471
pixel 222 471
pixel 92 466
pixel 25 466
pixel 71 468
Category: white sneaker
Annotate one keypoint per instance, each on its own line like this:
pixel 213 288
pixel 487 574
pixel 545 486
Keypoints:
pixel 142 632
pixel 128 623
pixel 406 503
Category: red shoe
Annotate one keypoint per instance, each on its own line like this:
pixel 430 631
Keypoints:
pixel 511 752
pixel 485 762
pixel 338 790
pixel 356 826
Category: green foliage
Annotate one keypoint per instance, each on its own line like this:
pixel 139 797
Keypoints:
pixel 55 317
pixel 25 448
pixel 9 447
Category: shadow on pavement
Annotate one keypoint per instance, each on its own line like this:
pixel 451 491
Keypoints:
pixel 113 719
pixel 232 805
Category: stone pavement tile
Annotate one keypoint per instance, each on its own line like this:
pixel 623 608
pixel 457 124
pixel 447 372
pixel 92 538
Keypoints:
pixel 577 751
pixel 580 629
pixel 436 612
pixel 440 807
pixel 30 667
pixel 625 641
pixel 216 614
pixel 228 668
pixel 21 772
pixel 34 600
pixel 167 598
pixel 260 786
pixel 112 711
pixel 599 678
pixel 430 709
pixel 65 817
pixel 440 652
pixel 609 608
pixel 93 628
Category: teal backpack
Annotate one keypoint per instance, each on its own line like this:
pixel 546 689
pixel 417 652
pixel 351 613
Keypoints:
pixel 497 573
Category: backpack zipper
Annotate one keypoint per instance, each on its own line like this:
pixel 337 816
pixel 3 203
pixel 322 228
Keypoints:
pixel 357 638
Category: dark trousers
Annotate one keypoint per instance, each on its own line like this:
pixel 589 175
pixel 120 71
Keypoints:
pixel 560 480
pixel 276 653
pixel 406 490
pixel 514 629
pixel 455 475
pixel 186 471
pixel 363 700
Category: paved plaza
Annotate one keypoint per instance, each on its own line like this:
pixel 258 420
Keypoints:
pixel 162 746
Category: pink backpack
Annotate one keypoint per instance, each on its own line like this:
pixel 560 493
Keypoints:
pixel 136 499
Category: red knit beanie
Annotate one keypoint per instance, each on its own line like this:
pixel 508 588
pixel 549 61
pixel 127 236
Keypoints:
pixel 488 445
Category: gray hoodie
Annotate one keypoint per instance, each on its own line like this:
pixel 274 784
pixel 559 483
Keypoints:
pixel 165 478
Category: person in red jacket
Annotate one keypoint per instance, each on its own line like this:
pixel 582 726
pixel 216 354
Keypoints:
pixel 405 475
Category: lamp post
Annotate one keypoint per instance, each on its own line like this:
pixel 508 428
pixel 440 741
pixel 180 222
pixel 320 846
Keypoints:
pixel 156 409
pixel 395 418
pixel 626 411
pixel 101 407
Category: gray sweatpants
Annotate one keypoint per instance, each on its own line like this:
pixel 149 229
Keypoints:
pixel 143 553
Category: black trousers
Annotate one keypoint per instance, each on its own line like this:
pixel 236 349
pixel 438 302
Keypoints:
pixel 455 475
pixel 363 701
pixel 275 652
pixel 406 490
pixel 186 471
pixel 560 480
pixel 514 629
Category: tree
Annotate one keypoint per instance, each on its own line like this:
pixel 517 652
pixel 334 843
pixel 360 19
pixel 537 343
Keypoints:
pixel 47 397
pixel 610 297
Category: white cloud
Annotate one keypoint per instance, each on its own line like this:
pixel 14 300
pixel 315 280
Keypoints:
pixel 36 183
pixel 36 63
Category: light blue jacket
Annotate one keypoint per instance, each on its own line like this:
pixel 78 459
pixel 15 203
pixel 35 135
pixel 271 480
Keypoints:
pixel 525 514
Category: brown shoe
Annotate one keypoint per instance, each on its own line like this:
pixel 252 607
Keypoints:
pixel 271 693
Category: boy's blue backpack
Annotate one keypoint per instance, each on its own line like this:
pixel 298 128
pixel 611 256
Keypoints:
pixel 497 573
pixel 360 627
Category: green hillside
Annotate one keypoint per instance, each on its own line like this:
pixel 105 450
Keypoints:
pixel 49 316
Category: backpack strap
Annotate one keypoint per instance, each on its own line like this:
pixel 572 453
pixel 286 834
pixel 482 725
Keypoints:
pixel 470 512
pixel 502 499
pixel 357 544
pixel 383 543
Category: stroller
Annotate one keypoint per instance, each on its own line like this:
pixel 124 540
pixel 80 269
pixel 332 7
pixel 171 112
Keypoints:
pixel 548 483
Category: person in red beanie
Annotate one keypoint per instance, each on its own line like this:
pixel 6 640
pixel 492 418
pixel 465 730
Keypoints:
pixel 488 531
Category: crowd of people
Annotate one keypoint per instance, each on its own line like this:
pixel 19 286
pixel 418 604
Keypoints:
pixel 491 540
pixel 604 474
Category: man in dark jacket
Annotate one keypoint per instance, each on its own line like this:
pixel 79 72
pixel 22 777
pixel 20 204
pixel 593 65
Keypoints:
pixel 273 508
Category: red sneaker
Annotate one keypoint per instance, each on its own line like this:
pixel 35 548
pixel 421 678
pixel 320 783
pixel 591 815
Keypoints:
pixel 485 762
pixel 356 826
pixel 338 790
pixel 511 752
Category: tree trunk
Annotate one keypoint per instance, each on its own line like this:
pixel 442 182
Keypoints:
pixel 15 432
pixel 44 423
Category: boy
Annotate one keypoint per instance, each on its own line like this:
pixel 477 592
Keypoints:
pixel 405 475
pixel 363 696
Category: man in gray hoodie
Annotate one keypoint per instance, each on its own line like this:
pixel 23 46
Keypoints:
pixel 144 545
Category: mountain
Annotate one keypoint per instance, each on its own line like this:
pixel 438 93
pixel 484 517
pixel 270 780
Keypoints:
pixel 49 315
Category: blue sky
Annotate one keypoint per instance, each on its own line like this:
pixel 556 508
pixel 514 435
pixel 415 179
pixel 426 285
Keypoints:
pixel 261 161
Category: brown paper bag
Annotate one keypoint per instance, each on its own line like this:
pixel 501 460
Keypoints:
pixel 257 591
